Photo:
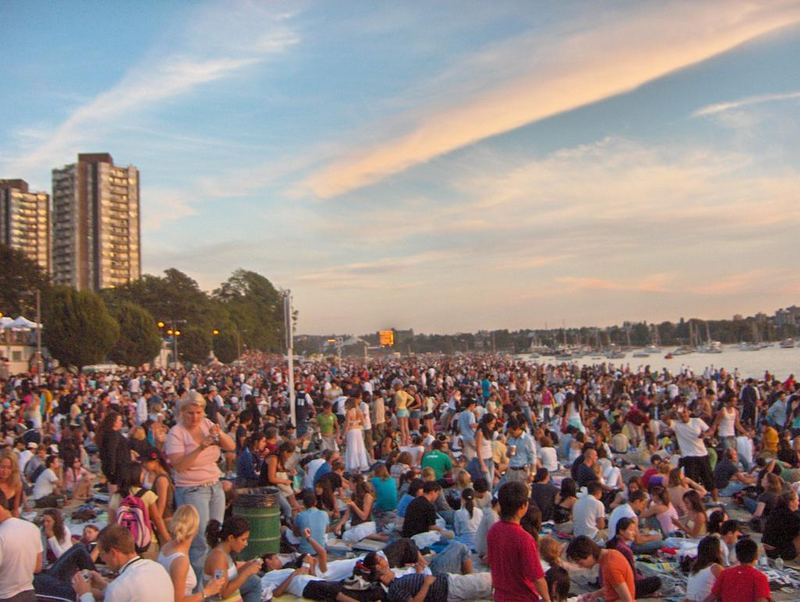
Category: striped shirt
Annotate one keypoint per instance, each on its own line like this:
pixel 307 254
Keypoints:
pixel 402 589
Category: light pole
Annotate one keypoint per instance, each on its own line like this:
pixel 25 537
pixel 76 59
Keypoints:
pixel 173 332
pixel 287 325
pixel 38 336
pixel 214 334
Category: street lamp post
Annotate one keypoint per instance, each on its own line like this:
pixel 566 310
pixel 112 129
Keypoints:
pixel 214 334
pixel 38 336
pixel 174 333
pixel 287 319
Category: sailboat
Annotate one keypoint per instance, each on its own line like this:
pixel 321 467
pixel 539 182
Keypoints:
pixel 654 342
pixel 710 346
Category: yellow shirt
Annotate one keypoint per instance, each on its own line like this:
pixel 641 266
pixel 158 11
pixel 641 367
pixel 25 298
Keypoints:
pixel 401 399
pixel 771 440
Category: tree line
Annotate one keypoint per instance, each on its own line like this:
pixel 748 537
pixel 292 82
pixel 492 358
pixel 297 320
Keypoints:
pixel 127 324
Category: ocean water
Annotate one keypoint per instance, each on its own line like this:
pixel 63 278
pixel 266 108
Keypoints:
pixel 778 361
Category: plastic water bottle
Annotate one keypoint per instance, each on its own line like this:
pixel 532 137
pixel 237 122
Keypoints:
pixel 779 563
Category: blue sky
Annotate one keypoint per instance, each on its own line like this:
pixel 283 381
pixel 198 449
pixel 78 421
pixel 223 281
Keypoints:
pixel 444 166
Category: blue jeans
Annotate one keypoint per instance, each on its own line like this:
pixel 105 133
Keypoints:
pixel 646 548
pixel 209 501
pixel 251 589
pixel 750 504
pixel 450 560
pixel 526 411
pixel 731 488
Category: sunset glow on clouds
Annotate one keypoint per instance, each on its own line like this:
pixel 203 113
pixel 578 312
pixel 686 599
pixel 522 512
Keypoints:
pixel 439 167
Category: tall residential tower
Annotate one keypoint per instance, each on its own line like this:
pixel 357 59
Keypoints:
pixel 96 234
pixel 25 221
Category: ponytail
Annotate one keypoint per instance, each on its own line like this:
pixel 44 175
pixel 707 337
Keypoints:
pixel 468 495
pixel 234 526
pixel 213 530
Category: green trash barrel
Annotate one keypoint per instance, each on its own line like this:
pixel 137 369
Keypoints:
pixel 259 505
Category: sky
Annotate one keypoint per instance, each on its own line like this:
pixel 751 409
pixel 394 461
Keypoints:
pixel 447 166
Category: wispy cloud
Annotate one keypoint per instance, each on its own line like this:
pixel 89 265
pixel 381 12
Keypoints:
pixel 167 73
pixel 722 107
pixel 571 69
pixel 653 283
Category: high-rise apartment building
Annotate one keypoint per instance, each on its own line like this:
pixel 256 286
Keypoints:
pixel 96 235
pixel 25 221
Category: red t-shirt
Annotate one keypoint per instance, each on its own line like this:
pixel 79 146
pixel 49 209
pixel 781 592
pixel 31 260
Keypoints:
pixel 648 474
pixel 514 562
pixel 741 583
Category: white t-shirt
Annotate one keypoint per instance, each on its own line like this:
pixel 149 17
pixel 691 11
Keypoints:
pixel 585 513
pixel 311 471
pixel 44 484
pixel 463 524
pixel 688 434
pixel 20 544
pixel 139 581
pixel 621 511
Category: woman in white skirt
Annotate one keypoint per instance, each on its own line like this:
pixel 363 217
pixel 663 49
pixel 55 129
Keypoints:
pixel 355 455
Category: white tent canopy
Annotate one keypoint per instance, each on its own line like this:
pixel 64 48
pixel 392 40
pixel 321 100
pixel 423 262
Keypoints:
pixel 21 323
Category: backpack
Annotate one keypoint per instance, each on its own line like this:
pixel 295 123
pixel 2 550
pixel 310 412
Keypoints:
pixel 134 516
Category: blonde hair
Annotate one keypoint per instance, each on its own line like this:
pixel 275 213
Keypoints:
pixel 192 398
pixel 14 479
pixel 428 474
pixel 463 479
pixel 550 550
pixel 185 523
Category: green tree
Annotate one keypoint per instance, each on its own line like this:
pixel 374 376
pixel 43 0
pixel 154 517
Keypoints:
pixel 194 344
pixel 77 328
pixel 175 296
pixel 18 277
pixel 139 340
pixel 226 346
pixel 256 308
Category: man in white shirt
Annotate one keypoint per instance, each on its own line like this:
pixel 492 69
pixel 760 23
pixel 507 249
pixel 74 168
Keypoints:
pixel 30 451
pixel 588 513
pixel 643 544
pixel 141 408
pixel 20 557
pixel 694 455
pixel 47 484
pixel 138 580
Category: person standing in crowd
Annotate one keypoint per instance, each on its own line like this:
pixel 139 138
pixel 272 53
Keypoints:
pixel 328 427
pixel 512 554
pixel 521 451
pixel 694 455
pixel 20 557
pixel 115 452
pixel 193 449
pixel 466 428
pixel 355 457
pixel 138 580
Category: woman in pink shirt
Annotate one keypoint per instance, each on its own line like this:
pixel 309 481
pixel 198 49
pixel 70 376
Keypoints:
pixel 193 449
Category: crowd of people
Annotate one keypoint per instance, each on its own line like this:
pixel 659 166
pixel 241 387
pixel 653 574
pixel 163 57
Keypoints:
pixel 465 457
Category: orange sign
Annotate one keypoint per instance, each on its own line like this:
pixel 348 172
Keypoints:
pixel 386 338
